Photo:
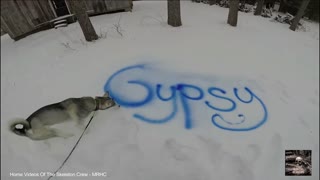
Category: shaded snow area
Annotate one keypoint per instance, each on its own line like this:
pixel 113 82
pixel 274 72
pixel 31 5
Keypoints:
pixel 203 101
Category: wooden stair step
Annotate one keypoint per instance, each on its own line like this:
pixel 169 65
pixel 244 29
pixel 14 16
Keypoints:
pixel 60 21
pixel 60 25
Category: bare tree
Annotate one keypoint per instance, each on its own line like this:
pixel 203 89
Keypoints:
pixel 259 8
pixel 174 14
pixel 303 7
pixel 80 10
pixel 233 12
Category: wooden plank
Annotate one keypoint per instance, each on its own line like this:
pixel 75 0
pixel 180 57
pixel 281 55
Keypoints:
pixel 22 17
pixel 4 26
pixel 19 17
pixel 22 21
pixel 104 6
pixel 24 10
pixel 114 5
pixel 89 5
pixel 14 19
pixel 44 10
pixel 98 6
pixel 61 17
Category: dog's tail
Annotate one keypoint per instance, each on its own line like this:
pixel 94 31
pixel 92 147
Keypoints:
pixel 19 126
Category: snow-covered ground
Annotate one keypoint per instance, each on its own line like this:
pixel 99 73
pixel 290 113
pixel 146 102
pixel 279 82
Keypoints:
pixel 208 63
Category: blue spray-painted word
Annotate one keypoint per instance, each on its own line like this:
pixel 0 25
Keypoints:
pixel 181 91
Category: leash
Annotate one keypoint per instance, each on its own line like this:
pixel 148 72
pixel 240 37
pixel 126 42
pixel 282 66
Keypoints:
pixel 74 147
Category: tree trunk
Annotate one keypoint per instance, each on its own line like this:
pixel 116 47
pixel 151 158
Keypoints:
pixel 233 12
pixel 80 11
pixel 259 8
pixel 303 7
pixel 174 14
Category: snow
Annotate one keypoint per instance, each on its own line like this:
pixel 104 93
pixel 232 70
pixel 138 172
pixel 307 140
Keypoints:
pixel 280 66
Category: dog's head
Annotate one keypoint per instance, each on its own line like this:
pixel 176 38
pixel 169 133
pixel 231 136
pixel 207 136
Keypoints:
pixel 104 103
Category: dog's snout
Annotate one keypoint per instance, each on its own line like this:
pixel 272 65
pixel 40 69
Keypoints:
pixel 113 102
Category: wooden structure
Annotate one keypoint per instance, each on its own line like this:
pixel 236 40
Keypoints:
pixel 21 18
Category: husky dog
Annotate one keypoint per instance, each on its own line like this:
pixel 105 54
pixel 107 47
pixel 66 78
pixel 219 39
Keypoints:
pixel 36 125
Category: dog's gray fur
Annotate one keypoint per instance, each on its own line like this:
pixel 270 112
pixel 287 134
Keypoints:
pixel 36 126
